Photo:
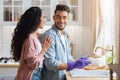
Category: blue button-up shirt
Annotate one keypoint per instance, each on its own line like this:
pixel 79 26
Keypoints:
pixel 55 55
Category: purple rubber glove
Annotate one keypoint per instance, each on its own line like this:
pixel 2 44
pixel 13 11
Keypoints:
pixel 71 65
pixel 82 62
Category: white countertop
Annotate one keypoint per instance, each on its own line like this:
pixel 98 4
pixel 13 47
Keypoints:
pixel 90 73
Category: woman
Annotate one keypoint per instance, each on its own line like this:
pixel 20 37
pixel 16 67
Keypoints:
pixel 26 47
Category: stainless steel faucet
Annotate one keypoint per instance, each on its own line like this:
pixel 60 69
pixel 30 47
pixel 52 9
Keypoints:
pixel 109 50
pixel 104 49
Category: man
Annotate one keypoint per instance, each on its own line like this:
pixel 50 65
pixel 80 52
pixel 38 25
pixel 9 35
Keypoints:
pixel 58 57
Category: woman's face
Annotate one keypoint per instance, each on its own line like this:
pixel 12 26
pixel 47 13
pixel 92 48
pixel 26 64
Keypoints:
pixel 42 21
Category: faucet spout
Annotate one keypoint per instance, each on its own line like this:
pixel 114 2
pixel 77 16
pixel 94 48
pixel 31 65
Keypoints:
pixel 103 49
pixel 111 50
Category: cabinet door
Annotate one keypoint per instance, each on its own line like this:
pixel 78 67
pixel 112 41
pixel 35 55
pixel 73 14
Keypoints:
pixel 73 4
pixel 11 11
pixel 48 7
pixel 75 9
pixel 45 5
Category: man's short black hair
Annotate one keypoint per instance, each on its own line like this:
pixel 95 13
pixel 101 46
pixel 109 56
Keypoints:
pixel 62 7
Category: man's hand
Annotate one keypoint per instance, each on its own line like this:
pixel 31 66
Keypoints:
pixel 81 63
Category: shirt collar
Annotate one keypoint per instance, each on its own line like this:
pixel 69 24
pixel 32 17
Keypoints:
pixel 58 32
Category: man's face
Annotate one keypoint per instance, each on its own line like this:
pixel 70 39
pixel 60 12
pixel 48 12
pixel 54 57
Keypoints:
pixel 61 19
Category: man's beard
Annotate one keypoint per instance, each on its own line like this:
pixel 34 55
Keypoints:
pixel 60 28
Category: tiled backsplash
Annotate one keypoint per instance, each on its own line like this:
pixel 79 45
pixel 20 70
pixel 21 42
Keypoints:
pixel 5 40
pixel 76 34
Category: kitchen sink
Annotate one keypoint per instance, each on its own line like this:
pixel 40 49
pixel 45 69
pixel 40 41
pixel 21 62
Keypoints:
pixel 90 73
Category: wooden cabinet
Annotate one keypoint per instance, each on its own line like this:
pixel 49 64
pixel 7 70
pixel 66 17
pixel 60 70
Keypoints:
pixel 11 10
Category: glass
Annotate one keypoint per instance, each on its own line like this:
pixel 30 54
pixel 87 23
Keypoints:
pixel 74 2
pixel 63 2
pixel 17 2
pixel 7 2
pixel 74 13
pixel 17 13
pixel 45 2
pixel 46 11
pixel 35 2
pixel 8 14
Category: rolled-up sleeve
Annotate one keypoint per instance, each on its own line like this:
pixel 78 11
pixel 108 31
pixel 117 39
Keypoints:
pixel 50 61
pixel 31 58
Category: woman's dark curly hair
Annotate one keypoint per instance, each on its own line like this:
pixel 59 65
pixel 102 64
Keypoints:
pixel 28 23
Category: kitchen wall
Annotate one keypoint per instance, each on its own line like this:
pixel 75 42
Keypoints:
pixel 117 29
pixel 5 40
pixel 87 27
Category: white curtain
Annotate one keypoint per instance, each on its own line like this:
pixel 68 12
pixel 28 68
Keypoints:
pixel 105 25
